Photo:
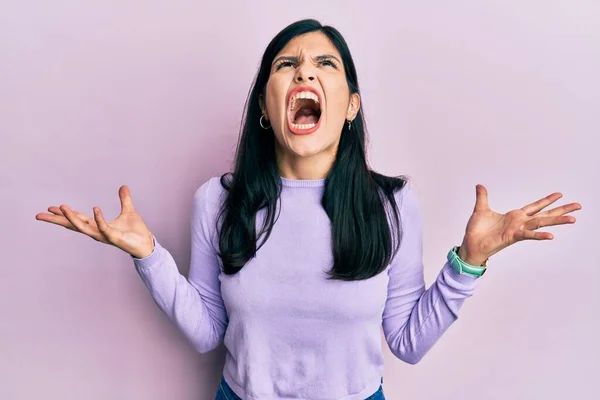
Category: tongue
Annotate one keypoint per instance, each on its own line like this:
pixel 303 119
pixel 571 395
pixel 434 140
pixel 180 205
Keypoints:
pixel 306 115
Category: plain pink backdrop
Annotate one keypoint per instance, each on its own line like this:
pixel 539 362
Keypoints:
pixel 97 94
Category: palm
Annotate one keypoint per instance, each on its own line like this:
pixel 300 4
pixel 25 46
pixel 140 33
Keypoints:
pixel 128 231
pixel 128 227
pixel 488 232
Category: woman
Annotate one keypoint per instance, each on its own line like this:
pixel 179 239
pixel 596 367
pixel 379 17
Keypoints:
pixel 303 252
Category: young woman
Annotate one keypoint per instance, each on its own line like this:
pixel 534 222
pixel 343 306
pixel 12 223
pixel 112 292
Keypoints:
pixel 303 252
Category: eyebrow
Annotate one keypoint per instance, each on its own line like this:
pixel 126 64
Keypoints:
pixel 318 58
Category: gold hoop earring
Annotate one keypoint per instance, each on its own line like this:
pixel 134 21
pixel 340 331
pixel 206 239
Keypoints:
pixel 260 121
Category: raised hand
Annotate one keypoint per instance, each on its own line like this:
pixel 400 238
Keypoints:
pixel 128 231
pixel 488 232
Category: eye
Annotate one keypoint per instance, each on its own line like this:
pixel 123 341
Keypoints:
pixel 329 63
pixel 283 64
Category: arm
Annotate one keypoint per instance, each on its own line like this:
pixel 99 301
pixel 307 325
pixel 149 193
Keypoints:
pixel 415 318
pixel 195 304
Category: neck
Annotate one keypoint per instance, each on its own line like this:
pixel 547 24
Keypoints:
pixel 305 168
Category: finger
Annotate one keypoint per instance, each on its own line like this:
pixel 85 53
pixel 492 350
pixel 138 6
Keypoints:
pixel 536 223
pixel 55 219
pixel 86 219
pixel 532 235
pixel 562 210
pixel 540 204
pixel 126 201
pixel 69 215
pixel 81 216
pixel 55 210
pixel 81 226
pixel 107 231
pixel 481 200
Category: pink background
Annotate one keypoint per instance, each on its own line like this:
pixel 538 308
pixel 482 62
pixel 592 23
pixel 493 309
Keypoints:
pixel 97 94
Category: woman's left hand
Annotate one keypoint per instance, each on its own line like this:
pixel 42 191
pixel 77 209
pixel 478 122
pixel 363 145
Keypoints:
pixel 488 232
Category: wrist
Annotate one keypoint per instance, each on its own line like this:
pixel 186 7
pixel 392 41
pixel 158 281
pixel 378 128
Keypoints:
pixel 465 257
pixel 462 267
pixel 147 250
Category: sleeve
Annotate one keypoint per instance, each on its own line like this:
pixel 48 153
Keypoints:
pixel 415 318
pixel 195 304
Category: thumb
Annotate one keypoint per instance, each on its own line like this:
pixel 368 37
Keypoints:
pixel 126 201
pixel 481 198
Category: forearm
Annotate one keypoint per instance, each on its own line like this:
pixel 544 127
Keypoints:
pixel 432 314
pixel 178 298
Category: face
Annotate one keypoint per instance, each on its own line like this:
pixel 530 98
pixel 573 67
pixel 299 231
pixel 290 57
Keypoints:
pixel 307 99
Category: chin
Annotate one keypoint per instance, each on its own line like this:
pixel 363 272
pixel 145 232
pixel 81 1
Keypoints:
pixel 308 145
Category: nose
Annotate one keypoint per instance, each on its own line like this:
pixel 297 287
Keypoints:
pixel 304 73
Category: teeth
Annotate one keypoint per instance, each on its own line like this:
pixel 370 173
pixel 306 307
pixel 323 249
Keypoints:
pixel 303 95
pixel 303 126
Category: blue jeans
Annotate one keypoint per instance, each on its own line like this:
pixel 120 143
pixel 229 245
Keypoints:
pixel 224 392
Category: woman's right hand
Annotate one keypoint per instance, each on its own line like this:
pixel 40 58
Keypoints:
pixel 128 231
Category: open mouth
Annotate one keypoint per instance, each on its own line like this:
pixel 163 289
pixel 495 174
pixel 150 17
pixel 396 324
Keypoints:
pixel 304 112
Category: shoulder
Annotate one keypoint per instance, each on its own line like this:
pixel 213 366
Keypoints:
pixel 401 188
pixel 211 192
pixel 206 207
pixel 405 213
pixel 407 197
pixel 409 208
pixel 208 200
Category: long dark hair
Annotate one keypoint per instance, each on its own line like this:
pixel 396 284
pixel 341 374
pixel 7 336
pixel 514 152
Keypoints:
pixel 354 198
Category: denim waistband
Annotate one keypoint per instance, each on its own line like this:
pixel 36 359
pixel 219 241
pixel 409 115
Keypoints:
pixel 224 392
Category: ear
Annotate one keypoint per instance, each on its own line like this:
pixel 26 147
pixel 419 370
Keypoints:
pixel 353 107
pixel 263 106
